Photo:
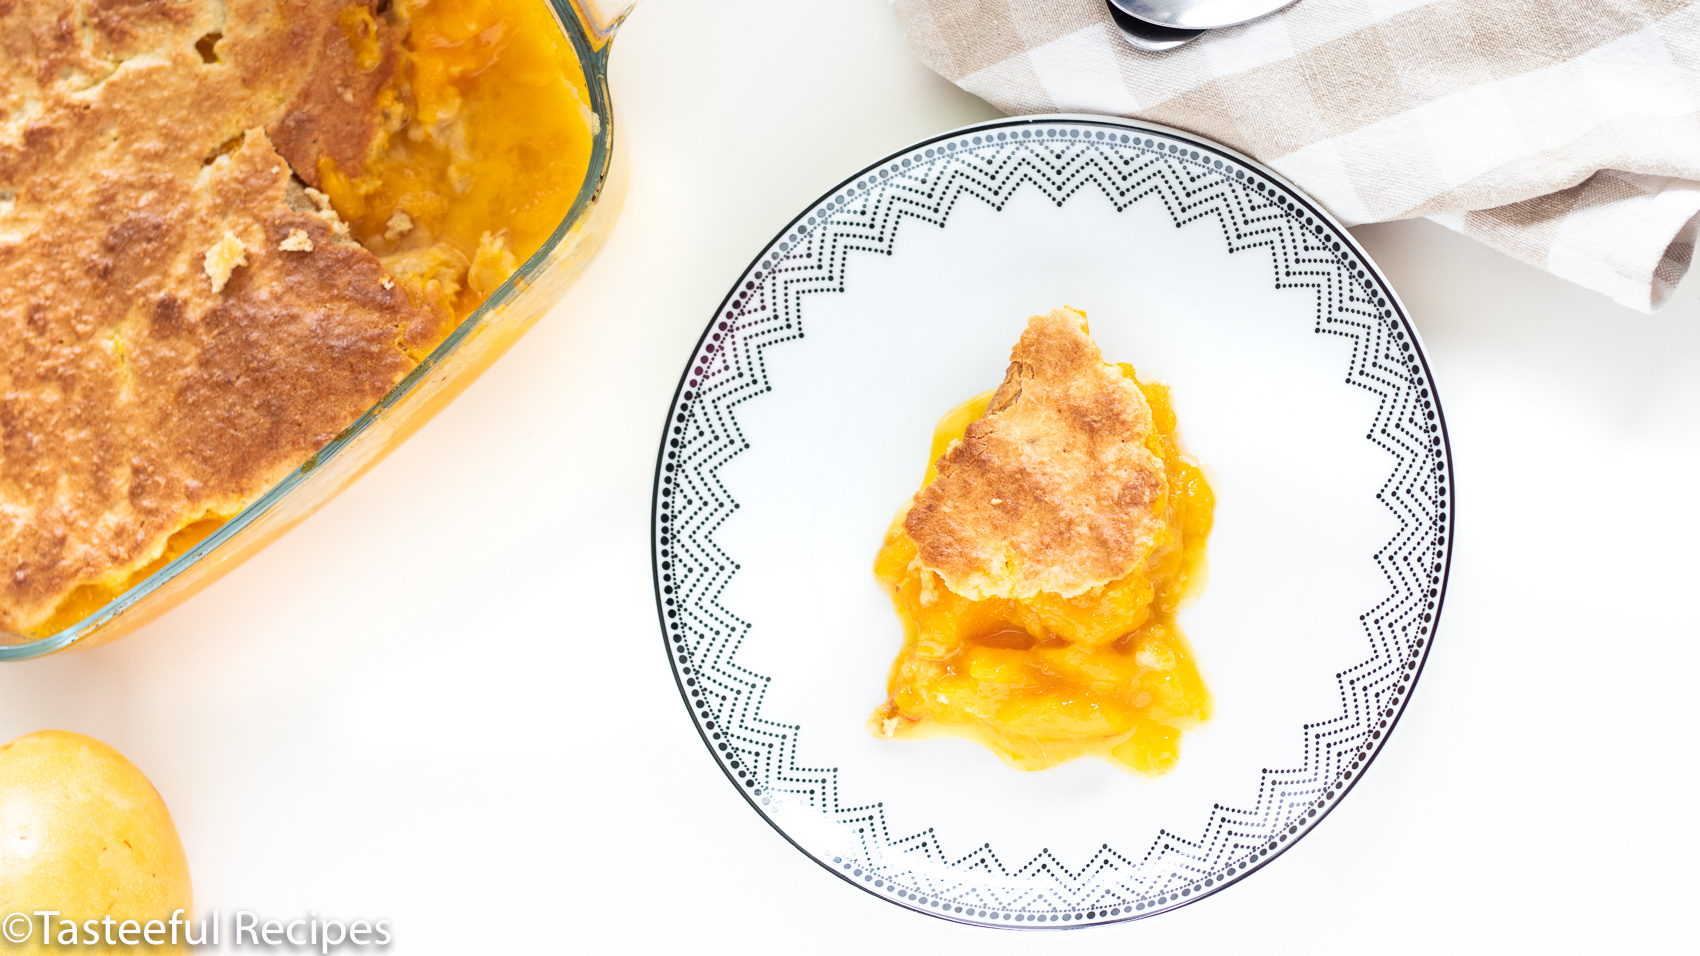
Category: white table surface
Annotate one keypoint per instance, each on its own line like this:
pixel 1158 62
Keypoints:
pixel 443 699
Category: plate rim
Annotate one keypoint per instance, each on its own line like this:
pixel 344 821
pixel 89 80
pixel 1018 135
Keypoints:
pixel 1297 195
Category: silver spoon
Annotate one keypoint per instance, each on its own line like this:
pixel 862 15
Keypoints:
pixel 1149 36
pixel 1198 14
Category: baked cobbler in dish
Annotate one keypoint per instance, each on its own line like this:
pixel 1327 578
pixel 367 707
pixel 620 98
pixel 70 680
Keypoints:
pixel 1039 568
pixel 227 228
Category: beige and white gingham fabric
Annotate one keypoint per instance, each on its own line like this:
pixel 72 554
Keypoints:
pixel 1563 132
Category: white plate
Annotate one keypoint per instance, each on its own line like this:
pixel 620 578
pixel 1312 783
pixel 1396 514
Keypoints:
pixel 803 422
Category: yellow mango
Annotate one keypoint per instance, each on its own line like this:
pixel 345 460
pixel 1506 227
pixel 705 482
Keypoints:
pixel 1058 716
pixel 1150 749
pixel 83 832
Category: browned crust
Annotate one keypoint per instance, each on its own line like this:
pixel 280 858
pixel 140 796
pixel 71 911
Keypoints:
pixel 50 47
pixel 136 397
pixel 1054 489
pixel 339 111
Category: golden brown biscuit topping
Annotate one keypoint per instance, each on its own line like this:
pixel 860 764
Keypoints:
pixel 1054 490
pixel 181 323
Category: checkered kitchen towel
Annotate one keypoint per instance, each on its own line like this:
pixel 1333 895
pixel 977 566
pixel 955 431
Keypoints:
pixel 1563 132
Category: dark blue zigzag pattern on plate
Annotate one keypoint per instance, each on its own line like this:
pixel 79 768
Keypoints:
pixel 1200 188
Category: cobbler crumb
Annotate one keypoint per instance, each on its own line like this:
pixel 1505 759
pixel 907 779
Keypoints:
pixel 296 241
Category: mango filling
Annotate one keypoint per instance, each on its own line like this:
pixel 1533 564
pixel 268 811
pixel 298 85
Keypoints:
pixel 1042 681
pixel 493 144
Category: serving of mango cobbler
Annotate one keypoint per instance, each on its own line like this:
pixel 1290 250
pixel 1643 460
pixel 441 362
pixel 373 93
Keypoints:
pixel 1038 570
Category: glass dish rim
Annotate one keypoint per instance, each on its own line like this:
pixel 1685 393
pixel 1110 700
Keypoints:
pixel 592 53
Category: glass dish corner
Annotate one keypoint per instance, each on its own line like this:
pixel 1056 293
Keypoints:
pixel 474 344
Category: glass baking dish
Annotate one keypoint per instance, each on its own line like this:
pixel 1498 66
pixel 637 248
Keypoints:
pixel 478 341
